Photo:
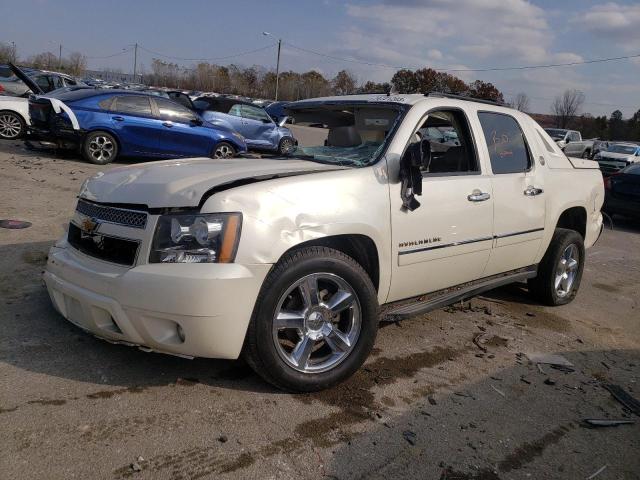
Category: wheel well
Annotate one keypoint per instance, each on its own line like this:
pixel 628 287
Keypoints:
pixel 14 112
pixel 574 218
pixel 359 247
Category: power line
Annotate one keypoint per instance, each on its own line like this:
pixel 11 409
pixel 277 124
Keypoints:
pixel 486 69
pixel 239 54
pixel 110 56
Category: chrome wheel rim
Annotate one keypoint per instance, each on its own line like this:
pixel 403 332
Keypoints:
pixel 10 126
pixel 101 148
pixel 567 270
pixel 286 147
pixel 223 151
pixel 317 323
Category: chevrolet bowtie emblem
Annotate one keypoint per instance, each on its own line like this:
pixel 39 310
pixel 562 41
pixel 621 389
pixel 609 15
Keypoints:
pixel 90 225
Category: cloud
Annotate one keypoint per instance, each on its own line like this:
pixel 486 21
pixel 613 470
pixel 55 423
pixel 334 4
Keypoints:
pixel 617 23
pixel 502 31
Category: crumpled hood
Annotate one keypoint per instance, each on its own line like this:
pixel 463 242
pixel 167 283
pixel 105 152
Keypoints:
pixel 183 182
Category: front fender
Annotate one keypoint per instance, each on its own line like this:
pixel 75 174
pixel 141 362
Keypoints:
pixel 281 213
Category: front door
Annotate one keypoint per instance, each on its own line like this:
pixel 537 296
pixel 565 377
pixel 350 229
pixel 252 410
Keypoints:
pixel 448 239
pixel 258 127
pixel 180 135
pixel 518 190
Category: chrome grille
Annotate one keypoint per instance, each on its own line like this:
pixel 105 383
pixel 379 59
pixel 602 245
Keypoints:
pixel 119 216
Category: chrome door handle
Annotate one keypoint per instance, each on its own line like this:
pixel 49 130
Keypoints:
pixel 533 191
pixel 167 124
pixel 478 196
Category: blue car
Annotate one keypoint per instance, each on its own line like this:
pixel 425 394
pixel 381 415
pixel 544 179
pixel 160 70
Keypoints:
pixel 105 124
pixel 259 130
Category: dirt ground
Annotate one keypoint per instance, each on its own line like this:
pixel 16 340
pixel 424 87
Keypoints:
pixel 429 403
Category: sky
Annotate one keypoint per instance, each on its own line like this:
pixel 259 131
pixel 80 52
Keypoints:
pixel 369 38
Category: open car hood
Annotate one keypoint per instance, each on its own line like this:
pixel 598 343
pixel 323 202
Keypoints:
pixel 183 182
pixel 26 79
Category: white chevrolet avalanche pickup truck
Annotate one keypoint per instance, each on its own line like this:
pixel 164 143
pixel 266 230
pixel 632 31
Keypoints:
pixel 390 206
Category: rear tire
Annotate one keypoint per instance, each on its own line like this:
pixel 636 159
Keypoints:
pixel 224 150
pixel 560 271
pixel 339 326
pixel 100 148
pixel 12 125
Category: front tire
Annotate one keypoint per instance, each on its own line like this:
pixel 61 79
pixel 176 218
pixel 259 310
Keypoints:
pixel 286 146
pixel 100 148
pixel 224 150
pixel 12 126
pixel 560 271
pixel 315 321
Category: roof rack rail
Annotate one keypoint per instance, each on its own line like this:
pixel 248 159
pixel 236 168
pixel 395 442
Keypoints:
pixel 464 97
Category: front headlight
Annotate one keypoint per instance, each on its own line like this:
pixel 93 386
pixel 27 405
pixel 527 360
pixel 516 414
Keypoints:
pixel 196 238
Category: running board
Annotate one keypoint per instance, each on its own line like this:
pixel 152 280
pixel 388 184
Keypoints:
pixel 402 310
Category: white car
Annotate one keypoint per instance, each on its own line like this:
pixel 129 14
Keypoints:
pixel 14 117
pixel 617 157
pixel 292 261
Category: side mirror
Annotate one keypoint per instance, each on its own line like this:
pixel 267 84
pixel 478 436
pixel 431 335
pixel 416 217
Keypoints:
pixel 416 157
pixel 282 121
pixel 567 140
pixel 196 122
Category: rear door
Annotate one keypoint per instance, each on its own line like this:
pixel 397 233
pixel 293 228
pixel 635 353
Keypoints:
pixel 180 135
pixel 518 190
pixel 134 123
pixel 258 125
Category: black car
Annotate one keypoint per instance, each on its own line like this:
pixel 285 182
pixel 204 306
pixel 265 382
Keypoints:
pixel 622 192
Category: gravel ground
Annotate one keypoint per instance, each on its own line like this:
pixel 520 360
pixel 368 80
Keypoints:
pixel 428 404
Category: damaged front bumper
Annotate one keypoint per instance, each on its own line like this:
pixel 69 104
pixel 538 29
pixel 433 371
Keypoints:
pixel 192 310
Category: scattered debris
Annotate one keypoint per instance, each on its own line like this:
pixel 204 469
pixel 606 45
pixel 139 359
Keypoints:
pixel 549 359
pixel 524 380
pixel 135 466
pixel 624 398
pixel 530 314
pixel 595 422
pixel 499 391
pixel 549 381
pixel 432 400
pixel 223 439
pixel 409 436
pixel 597 472
pixel 562 368
pixel 14 224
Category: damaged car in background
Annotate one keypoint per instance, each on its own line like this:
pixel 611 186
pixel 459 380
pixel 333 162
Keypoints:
pixel 389 207
pixel 260 131
pixel 105 124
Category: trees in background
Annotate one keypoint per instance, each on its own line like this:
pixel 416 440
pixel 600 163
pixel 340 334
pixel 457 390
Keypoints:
pixel 567 106
pixel 521 102
pixel 426 80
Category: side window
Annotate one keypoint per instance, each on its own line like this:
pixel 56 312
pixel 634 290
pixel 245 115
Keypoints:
pixel 43 83
pixel 507 147
pixel 254 113
pixel 573 136
pixel 57 82
pixel 452 148
pixel 174 111
pixel 133 104
pixel 106 103
pixel 69 81
pixel 236 110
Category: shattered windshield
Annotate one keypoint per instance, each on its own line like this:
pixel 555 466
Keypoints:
pixel 342 134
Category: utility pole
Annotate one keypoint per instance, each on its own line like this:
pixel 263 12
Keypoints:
pixel 267 34
pixel 278 67
pixel 60 58
pixel 13 52
pixel 135 61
